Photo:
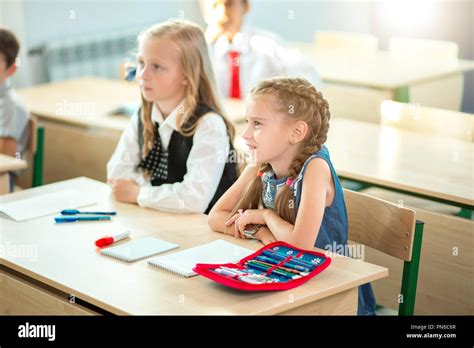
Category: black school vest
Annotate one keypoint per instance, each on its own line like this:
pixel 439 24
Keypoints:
pixel 178 153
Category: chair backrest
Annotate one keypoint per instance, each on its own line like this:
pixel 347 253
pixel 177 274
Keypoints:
pixel 421 119
pixel 442 51
pixel 380 225
pixel 346 41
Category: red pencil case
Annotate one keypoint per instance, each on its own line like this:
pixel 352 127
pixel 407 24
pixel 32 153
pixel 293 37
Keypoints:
pixel 289 267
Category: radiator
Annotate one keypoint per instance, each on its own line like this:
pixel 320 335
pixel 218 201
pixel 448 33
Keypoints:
pixel 93 55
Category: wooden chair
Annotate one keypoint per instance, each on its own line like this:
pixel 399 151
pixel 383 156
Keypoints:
pixel 443 51
pixel 353 102
pixel 391 229
pixel 445 275
pixel 353 43
pixel 445 93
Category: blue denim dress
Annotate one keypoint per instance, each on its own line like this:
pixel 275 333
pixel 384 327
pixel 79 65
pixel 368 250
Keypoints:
pixel 333 232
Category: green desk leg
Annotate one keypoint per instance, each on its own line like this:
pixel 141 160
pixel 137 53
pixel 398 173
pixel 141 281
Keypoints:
pixel 38 159
pixel 466 213
pixel 354 185
pixel 402 95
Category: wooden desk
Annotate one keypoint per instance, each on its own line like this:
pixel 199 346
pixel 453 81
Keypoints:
pixel 434 167
pixel 8 164
pixel 87 102
pixel 382 70
pixel 82 103
pixel 67 263
pixel 78 127
pixel 437 168
pixel 355 85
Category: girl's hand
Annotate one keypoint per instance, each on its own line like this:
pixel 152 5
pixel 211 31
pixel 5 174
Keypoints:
pixel 250 216
pixel 265 235
pixel 125 190
pixel 232 220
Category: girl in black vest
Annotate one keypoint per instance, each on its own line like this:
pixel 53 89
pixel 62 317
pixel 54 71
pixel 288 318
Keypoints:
pixel 175 153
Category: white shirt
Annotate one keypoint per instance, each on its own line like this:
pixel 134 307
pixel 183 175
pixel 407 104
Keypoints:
pixel 262 55
pixel 204 165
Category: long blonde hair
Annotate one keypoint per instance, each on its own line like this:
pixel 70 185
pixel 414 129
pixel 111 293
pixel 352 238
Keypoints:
pixel 297 100
pixel 200 89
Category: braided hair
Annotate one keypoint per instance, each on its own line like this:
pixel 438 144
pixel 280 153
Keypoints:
pixel 298 100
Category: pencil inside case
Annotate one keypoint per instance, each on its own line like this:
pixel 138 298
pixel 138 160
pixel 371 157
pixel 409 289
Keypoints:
pixel 276 266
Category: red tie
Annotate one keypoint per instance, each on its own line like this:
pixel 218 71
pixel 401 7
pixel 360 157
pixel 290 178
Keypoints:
pixel 235 77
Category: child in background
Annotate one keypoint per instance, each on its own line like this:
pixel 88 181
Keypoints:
pixel 14 130
pixel 174 155
pixel 242 55
pixel 293 177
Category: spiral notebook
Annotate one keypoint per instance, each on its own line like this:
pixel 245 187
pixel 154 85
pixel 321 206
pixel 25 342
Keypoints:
pixel 139 249
pixel 183 262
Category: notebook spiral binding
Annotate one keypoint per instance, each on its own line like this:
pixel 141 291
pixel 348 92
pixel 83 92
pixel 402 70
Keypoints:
pixel 125 257
pixel 168 268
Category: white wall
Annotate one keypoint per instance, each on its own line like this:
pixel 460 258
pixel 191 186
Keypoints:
pixel 37 22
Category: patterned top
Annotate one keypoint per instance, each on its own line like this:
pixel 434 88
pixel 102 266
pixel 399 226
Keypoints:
pixel 157 159
pixel 333 232
pixel 334 226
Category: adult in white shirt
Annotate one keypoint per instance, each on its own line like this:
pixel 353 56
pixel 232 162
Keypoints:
pixel 252 54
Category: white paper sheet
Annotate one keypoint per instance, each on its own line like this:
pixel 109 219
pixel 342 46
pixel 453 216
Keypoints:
pixel 47 204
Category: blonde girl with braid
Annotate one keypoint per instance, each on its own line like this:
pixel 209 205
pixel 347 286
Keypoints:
pixel 166 157
pixel 290 191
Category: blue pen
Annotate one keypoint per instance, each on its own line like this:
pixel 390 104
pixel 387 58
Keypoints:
pixel 273 255
pixel 286 264
pixel 267 259
pixel 63 219
pixel 300 260
pixel 294 261
pixel 260 268
pixel 75 212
